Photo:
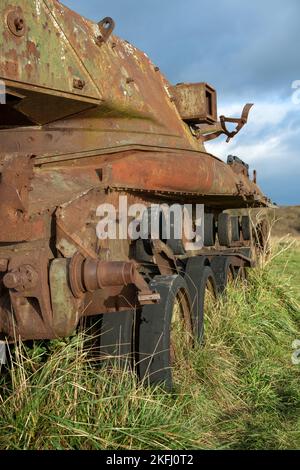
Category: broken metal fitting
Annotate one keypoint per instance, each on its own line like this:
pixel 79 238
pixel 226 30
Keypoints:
pixel 239 121
pixel 211 132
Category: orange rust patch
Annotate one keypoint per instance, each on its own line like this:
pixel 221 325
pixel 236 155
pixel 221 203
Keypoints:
pixel 33 50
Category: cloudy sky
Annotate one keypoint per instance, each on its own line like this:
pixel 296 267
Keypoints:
pixel 248 50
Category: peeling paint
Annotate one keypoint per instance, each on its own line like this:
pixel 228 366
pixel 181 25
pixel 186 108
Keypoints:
pixel 38 7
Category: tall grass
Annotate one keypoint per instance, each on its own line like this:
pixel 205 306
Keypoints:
pixel 239 390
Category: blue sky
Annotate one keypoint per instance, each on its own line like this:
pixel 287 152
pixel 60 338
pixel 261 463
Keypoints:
pixel 249 51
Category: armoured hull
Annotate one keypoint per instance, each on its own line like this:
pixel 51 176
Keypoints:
pixel 86 118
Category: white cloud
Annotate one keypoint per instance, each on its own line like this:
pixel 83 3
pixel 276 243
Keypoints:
pixel 272 111
pixel 264 149
pixel 267 136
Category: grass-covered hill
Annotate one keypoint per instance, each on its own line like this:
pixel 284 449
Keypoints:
pixel 287 221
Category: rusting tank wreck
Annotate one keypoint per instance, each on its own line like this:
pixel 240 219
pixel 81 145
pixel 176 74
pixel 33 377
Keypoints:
pixel 86 118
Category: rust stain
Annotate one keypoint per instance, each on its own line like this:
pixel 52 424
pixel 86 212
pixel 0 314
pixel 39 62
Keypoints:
pixel 32 49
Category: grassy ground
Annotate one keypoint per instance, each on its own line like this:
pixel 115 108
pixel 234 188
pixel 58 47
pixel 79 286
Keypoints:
pixel 288 265
pixel 239 391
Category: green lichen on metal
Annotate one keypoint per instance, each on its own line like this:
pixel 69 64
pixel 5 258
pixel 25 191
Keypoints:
pixel 43 55
pixel 64 306
pixel 111 110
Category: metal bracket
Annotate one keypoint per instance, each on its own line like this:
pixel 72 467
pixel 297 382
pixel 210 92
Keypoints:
pixel 106 27
pixel 212 132
pixel 240 122
pixel 164 258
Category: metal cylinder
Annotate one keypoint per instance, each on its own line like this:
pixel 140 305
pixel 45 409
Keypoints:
pixel 89 275
pixel 115 273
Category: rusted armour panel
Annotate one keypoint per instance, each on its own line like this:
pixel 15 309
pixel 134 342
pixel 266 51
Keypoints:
pixel 198 173
pixel 15 187
pixel 88 133
pixel 29 218
pixel 45 70
pixel 35 55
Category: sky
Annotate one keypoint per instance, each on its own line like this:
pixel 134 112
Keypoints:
pixel 249 51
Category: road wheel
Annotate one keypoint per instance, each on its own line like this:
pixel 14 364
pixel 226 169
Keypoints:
pixel 224 230
pixel 110 338
pixel 224 272
pixel 203 291
pixel 235 228
pixel 165 331
pixel 246 227
pixel 209 230
pixel 117 335
pixel 240 273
